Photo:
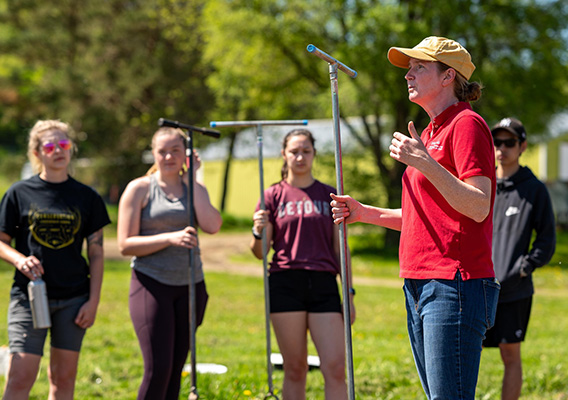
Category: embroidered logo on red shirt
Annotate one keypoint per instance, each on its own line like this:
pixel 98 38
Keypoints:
pixel 435 146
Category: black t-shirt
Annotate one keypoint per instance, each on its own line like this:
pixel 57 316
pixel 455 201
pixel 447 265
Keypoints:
pixel 51 221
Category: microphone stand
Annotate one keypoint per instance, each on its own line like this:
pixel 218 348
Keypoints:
pixel 193 394
pixel 334 65
pixel 259 125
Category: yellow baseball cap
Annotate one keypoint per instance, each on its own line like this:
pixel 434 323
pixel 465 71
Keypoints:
pixel 435 48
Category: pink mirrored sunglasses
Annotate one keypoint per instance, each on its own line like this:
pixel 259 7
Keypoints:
pixel 49 147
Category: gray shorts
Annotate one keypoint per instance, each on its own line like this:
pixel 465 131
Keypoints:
pixel 65 334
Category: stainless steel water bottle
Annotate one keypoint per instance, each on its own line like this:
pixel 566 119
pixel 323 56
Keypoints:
pixel 39 304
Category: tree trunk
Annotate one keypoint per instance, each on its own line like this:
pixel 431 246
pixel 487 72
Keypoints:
pixel 233 139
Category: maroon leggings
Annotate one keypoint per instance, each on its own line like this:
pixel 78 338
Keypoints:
pixel 160 315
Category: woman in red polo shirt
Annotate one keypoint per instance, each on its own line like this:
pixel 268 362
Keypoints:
pixel 445 219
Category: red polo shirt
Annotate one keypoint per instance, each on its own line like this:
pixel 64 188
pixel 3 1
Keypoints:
pixel 436 240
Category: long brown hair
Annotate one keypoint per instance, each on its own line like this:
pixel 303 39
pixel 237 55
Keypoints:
pixel 292 133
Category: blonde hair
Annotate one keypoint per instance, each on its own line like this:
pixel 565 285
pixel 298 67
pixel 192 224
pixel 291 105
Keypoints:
pixel 34 140
pixel 163 132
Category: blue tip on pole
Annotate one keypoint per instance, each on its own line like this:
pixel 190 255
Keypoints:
pixel 212 124
pixel 326 57
pixel 305 122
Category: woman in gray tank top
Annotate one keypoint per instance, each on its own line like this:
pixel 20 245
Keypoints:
pixel 153 228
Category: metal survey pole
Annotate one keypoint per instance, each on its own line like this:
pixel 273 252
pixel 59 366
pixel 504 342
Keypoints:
pixel 334 65
pixel 193 394
pixel 265 244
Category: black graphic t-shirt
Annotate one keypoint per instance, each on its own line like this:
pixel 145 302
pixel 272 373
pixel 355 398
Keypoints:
pixel 51 222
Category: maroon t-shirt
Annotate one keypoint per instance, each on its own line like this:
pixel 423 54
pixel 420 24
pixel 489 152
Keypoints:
pixel 303 227
pixel 436 240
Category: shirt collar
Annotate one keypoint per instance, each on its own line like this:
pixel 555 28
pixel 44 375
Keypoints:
pixel 448 113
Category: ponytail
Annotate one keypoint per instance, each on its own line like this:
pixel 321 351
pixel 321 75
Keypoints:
pixel 463 89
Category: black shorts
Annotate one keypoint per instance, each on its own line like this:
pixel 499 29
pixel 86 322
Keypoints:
pixel 303 290
pixel 511 322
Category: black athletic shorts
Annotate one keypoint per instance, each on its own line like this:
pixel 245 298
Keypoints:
pixel 303 290
pixel 511 322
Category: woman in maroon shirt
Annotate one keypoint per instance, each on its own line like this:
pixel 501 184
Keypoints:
pixel 302 282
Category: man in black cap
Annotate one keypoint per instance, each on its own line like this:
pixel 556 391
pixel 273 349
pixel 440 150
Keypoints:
pixel 522 205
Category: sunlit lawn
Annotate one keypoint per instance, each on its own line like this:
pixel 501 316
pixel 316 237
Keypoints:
pixel 233 335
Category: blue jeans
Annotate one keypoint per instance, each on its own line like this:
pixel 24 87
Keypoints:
pixel 447 320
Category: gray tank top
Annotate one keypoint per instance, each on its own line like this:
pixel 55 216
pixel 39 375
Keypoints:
pixel 169 266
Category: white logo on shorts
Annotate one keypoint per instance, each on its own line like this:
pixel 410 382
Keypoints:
pixel 518 333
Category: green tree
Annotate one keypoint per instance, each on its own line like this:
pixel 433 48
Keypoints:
pixel 110 68
pixel 519 48
pixel 267 91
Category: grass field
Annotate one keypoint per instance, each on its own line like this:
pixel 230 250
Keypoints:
pixel 233 332
pixel 233 335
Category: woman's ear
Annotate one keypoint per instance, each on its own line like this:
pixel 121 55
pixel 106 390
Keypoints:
pixel 449 76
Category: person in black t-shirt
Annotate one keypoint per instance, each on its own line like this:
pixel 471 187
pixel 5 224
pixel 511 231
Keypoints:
pixel 49 216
